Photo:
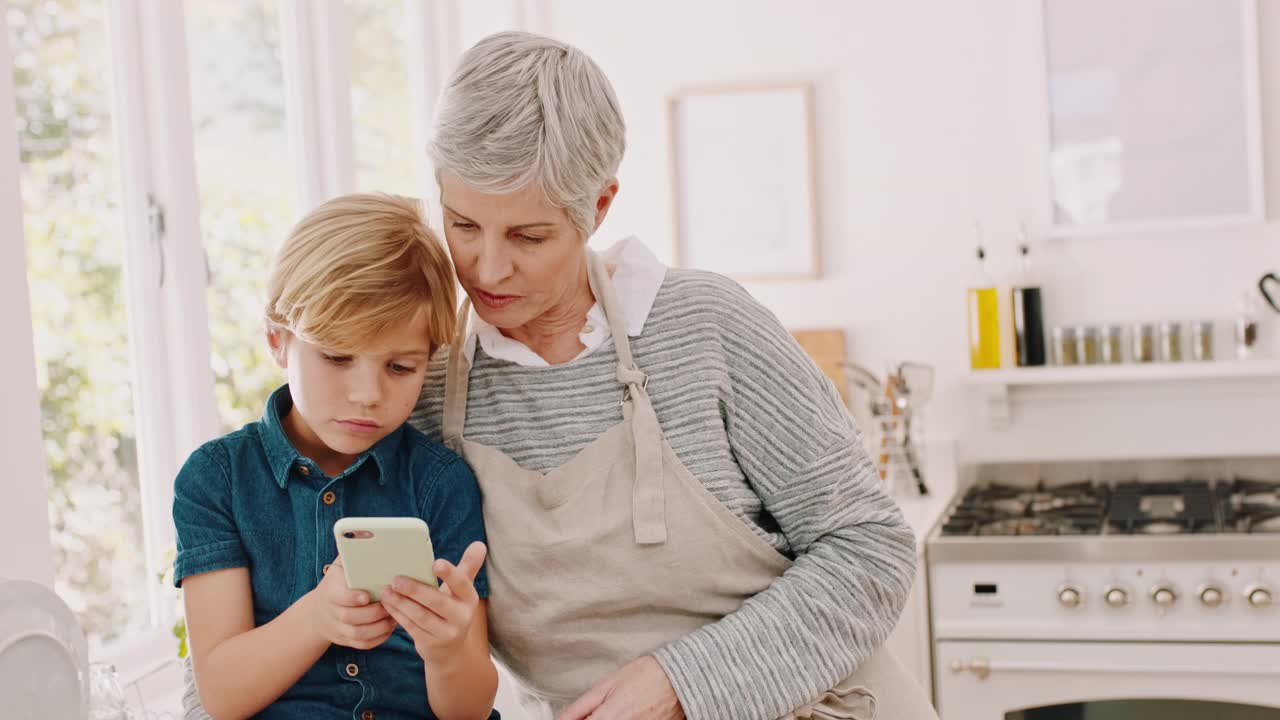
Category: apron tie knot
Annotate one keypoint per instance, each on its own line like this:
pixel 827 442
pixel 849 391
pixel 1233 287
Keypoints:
pixel 631 377
pixel 648 495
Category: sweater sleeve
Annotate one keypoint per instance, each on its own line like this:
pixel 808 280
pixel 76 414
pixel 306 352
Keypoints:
pixel 854 553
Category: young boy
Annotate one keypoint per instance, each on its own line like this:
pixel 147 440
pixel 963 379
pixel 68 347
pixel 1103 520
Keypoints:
pixel 359 296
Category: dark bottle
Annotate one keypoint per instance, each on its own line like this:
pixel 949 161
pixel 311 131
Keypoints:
pixel 1028 313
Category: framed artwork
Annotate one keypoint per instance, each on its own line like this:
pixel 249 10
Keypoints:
pixel 743 181
pixel 1153 115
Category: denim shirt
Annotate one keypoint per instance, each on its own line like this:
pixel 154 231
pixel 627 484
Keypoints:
pixel 250 500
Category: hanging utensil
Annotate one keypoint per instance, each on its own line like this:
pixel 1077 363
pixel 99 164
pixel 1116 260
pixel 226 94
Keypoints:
pixel 1272 299
pixel 915 383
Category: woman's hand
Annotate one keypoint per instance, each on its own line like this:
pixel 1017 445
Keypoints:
pixel 438 618
pixel 346 617
pixel 640 690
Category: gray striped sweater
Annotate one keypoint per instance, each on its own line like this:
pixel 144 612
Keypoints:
pixel 751 417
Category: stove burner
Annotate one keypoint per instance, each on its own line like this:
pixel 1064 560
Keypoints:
pixel 1160 527
pixel 1029 526
pixel 1162 508
pixel 1250 506
pixel 1002 510
pixel 1011 506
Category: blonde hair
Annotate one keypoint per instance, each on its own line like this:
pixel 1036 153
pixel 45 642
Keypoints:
pixel 356 266
pixel 525 109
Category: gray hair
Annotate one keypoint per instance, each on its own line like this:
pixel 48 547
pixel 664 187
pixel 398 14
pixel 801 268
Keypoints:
pixel 525 109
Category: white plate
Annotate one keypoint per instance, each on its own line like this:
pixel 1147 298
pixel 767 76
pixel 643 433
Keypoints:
pixel 44 659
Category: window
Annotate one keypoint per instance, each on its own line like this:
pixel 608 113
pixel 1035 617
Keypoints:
pixel 380 109
pixel 246 187
pixel 159 170
pixel 71 220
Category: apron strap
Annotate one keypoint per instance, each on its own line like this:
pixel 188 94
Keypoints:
pixel 648 496
pixel 456 380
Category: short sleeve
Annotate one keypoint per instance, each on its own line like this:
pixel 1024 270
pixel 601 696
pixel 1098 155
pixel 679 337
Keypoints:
pixel 454 515
pixel 207 536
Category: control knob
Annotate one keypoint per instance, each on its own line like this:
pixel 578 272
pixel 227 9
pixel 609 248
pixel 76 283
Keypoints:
pixel 1258 596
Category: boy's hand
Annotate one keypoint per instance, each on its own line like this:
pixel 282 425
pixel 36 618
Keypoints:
pixel 438 618
pixel 346 617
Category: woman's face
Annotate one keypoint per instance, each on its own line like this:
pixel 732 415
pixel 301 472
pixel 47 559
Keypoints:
pixel 516 255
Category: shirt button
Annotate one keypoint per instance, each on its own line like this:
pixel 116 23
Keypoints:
pixel 367 715
pixel 352 669
pixel 328 498
pixel 304 469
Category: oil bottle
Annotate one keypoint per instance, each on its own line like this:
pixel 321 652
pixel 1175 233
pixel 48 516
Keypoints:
pixel 1028 310
pixel 984 316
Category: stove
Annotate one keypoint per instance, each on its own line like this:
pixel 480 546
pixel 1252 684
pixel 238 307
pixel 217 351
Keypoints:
pixel 1126 588
pixel 1125 508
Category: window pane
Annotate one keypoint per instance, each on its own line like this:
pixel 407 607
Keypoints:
pixel 74 235
pixel 246 186
pixel 380 102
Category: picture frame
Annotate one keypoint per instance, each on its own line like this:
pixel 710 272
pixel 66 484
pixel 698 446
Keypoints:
pixel 1153 119
pixel 742 179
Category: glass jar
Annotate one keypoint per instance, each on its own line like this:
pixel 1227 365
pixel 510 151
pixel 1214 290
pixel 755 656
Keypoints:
pixel 106 696
pixel 1144 343
pixel 1064 346
pixel 1089 340
pixel 1246 334
pixel 1202 341
pixel 1170 342
pixel 1112 344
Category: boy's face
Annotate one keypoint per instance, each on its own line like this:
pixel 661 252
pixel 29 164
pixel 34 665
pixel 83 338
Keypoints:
pixel 344 403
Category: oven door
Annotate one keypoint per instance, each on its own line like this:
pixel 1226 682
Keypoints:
pixel 1107 681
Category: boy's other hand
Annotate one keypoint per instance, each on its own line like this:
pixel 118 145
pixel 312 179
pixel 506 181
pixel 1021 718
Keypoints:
pixel 346 617
pixel 438 619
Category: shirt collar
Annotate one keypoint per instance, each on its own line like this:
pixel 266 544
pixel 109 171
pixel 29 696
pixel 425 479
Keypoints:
pixel 637 277
pixel 282 455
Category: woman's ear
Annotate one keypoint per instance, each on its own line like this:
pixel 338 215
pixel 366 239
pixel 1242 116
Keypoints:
pixel 278 344
pixel 605 201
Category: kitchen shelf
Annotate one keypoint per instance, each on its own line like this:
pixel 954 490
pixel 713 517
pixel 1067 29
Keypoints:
pixel 1128 373
pixel 997 386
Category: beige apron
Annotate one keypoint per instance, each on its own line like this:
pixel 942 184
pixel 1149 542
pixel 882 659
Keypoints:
pixel 621 551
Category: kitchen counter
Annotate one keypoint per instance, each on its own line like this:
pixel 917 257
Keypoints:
pixel 910 640
pixel 940 472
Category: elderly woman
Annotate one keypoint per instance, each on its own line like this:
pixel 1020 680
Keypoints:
pixel 682 522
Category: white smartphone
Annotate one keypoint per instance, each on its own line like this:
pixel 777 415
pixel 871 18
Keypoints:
pixel 374 550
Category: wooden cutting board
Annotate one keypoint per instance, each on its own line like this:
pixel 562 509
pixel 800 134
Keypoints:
pixel 828 349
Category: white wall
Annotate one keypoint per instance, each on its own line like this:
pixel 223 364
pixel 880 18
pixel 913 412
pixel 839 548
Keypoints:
pixel 928 115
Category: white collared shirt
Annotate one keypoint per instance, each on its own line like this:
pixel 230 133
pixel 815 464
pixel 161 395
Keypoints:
pixel 637 276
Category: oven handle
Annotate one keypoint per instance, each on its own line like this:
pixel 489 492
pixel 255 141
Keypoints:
pixel 982 667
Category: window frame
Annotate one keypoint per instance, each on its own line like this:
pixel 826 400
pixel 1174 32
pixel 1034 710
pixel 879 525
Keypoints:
pixel 25 514
pixel 168 322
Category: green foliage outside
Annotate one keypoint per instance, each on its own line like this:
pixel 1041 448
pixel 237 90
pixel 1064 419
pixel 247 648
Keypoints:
pixel 74 235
